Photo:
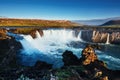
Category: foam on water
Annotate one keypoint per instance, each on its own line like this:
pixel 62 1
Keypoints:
pixel 52 44
pixel 48 48
pixel 112 62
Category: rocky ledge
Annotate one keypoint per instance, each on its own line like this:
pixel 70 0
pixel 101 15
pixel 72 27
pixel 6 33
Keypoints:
pixel 104 36
pixel 88 67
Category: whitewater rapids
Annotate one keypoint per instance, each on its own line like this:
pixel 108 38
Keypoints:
pixel 52 44
pixel 48 47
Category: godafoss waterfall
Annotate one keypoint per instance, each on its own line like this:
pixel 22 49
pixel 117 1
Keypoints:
pixel 50 46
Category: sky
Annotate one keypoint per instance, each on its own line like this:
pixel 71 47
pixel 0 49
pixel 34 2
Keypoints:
pixel 60 9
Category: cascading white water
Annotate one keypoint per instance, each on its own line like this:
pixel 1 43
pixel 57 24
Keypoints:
pixel 37 34
pixel 108 39
pixel 79 37
pixel 93 33
pixel 52 44
pixel 112 62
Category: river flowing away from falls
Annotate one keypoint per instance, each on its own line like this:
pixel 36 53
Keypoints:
pixel 54 42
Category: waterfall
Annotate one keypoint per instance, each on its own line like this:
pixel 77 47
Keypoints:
pixel 108 39
pixel 38 34
pixel 52 44
pixel 93 33
pixel 79 37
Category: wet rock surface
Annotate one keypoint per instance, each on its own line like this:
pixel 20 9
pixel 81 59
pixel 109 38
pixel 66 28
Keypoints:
pixel 88 55
pixel 69 58
pixel 8 50
pixel 33 33
pixel 101 36
pixel 88 67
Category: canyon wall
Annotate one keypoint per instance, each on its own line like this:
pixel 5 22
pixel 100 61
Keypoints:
pixel 107 37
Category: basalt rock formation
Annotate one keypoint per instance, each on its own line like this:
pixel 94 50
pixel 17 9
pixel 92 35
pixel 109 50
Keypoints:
pixel 8 51
pixel 102 37
pixel 90 67
pixel 112 37
pixel 69 58
pixel 42 65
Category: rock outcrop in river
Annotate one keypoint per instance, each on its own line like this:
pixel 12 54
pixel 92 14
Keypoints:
pixel 90 67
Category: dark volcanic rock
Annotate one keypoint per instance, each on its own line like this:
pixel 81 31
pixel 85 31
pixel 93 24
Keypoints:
pixel 39 71
pixel 8 50
pixel 93 68
pixel 69 58
pixel 87 35
pixel 42 65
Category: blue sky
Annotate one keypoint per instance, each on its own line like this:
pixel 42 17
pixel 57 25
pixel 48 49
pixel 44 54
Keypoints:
pixel 60 9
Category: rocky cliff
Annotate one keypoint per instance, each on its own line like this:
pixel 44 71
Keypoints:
pixel 97 36
pixel 106 37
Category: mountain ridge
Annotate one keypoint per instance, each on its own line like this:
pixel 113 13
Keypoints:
pixel 112 22
pixel 95 22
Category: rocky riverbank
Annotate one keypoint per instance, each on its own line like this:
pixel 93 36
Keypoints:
pixel 88 67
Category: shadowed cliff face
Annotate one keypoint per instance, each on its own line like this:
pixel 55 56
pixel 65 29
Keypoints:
pixel 107 37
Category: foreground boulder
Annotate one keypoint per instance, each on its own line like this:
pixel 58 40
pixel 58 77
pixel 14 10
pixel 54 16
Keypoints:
pixel 42 65
pixel 88 55
pixel 89 67
pixel 69 58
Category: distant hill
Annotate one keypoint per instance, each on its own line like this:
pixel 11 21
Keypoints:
pixel 36 22
pixel 90 22
pixel 95 22
pixel 112 22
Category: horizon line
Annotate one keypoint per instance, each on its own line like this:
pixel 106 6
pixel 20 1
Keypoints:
pixel 4 17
